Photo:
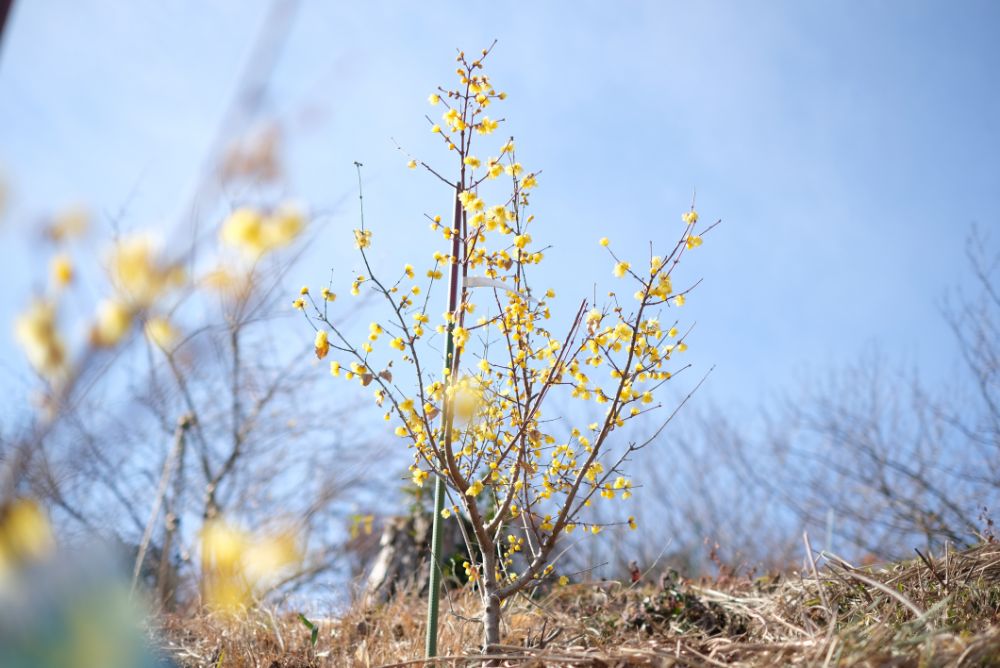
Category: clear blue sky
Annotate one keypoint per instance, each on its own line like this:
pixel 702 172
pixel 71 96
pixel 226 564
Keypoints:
pixel 848 146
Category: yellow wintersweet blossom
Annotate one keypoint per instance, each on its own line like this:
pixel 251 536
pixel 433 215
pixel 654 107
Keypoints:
pixel 412 164
pixel 486 126
pixel 475 489
pixel 398 343
pixel 604 241
pixel 621 268
pixel 61 269
pixel 419 477
pixel 138 273
pixel 242 229
pixel 113 321
pixel 235 563
pixel 362 239
pixel 690 217
pixel 254 233
pixel 679 300
pixel 161 332
pixel 36 332
pixel 693 242
pixel 25 536
pixel 321 344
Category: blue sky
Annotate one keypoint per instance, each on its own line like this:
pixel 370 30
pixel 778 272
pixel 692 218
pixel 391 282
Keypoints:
pixel 847 146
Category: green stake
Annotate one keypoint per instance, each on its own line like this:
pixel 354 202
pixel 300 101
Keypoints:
pixel 434 585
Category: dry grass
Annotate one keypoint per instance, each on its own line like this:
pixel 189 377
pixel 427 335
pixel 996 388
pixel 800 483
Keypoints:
pixel 936 612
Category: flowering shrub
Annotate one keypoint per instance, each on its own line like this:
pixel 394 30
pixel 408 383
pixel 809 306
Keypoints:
pixel 520 475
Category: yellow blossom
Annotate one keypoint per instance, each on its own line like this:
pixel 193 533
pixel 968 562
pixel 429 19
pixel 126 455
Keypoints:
pixel 486 126
pixel 362 239
pixel 474 489
pixel 113 321
pixel 690 217
pixel 161 332
pixel 322 344
pixel 61 268
pixel 37 334
pixel 433 98
pixel 621 268
pixel 398 343
pixel 604 241
pixel 412 164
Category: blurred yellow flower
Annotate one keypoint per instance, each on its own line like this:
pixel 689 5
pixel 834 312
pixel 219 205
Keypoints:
pixel 161 332
pixel 113 321
pixel 25 536
pixel 36 333
pixel 137 272
pixel 61 268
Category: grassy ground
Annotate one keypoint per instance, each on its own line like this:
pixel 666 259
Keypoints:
pixel 942 611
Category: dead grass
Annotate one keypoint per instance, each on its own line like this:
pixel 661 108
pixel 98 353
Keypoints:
pixel 941 611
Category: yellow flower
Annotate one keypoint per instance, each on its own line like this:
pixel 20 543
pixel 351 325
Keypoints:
pixel 62 270
pixel 161 332
pixel 486 126
pixel 412 164
pixel 621 268
pixel 113 321
pixel 433 98
pixel 36 332
pixel 522 240
pixel 563 580
pixel 300 304
pixel 631 523
pixel 475 488
pixel 690 217
pixel 362 239
pixel 693 242
pixel 514 170
pixel 327 295
pixel 398 343
pixel 604 241
pixel 335 368
pixel 419 477
pixel 321 344
pixel 436 128
pixel 679 300
pixel 137 273
pixel 25 536
pixel 242 229
pixel 472 161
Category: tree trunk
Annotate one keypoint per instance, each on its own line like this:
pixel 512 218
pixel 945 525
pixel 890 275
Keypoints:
pixel 491 623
